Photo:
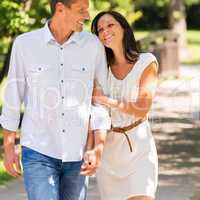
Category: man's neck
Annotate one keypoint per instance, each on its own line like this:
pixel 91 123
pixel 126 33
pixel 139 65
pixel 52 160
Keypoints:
pixel 60 33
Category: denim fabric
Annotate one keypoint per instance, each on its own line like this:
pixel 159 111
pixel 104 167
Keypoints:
pixel 47 178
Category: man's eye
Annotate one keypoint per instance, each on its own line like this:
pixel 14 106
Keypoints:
pixel 83 11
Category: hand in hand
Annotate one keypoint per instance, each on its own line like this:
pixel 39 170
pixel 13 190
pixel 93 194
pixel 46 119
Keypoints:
pixel 12 160
pixel 90 164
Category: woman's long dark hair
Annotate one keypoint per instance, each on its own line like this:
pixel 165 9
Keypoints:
pixel 131 51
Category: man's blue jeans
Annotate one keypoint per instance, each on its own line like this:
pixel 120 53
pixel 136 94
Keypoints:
pixel 47 178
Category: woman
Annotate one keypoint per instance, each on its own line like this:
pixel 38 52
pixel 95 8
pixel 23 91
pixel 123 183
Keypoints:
pixel 129 166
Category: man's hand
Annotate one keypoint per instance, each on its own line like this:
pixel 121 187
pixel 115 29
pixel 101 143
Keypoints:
pixel 12 161
pixel 11 154
pixel 92 158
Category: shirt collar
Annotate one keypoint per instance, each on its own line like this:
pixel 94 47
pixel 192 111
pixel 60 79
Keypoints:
pixel 48 36
pixel 47 33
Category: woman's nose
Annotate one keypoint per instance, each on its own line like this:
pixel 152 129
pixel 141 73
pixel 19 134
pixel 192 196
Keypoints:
pixel 105 32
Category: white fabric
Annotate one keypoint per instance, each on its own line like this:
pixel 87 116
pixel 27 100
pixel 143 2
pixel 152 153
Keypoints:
pixel 55 83
pixel 124 174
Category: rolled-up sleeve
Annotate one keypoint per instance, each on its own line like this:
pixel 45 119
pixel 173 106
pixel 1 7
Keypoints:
pixel 100 118
pixel 14 90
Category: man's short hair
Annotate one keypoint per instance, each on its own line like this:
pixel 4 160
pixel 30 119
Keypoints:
pixel 54 2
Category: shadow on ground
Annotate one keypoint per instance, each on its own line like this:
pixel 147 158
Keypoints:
pixel 178 144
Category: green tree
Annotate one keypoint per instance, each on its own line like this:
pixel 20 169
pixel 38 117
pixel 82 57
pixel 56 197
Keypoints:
pixel 17 17
pixel 125 7
pixel 175 10
pixel 14 20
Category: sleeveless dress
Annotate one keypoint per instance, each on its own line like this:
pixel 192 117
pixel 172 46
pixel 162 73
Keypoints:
pixel 122 173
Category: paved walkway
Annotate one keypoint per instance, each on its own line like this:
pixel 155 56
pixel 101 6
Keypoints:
pixel 175 123
pixel 15 190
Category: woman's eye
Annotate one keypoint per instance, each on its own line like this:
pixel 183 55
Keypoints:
pixel 110 25
pixel 100 30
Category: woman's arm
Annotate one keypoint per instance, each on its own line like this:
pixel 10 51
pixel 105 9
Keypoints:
pixel 141 107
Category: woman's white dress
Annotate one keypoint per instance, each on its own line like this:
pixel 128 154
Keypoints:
pixel 124 174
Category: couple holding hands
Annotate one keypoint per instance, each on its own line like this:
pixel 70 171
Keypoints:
pixel 86 97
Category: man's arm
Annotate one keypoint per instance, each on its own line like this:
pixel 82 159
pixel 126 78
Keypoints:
pixel 90 139
pixel 99 124
pixel 10 117
pixel 11 155
pixel 100 121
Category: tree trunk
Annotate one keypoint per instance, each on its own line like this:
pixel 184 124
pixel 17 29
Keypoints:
pixel 177 23
pixel 27 5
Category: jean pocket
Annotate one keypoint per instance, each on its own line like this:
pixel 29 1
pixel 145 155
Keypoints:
pixel 30 155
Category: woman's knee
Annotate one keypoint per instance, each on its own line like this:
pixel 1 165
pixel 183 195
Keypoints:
pixel 141 198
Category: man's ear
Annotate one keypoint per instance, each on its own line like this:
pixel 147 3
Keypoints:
pixel 59 7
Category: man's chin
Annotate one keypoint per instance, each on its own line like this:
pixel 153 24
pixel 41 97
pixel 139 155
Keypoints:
pixel 79 29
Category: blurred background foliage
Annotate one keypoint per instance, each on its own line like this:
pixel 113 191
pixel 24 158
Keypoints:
pixel 18 16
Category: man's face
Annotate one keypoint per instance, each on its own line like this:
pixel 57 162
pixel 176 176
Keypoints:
pixel 75 15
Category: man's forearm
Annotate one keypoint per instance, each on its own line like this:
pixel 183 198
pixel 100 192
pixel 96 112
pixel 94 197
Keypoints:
pixel 8 138
pixel 99 140
pixel 90 141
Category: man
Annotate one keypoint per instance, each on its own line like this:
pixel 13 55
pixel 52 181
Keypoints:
pixel 52 71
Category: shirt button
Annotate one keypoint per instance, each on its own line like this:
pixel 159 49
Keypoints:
pixel 62 81
pixel 61 64
pixel 63 97
pixel 63 130
pixel 83 69
pixel 61 48
pixel 63 114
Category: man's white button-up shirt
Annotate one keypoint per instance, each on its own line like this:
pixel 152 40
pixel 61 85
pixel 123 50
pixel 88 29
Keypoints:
pixel 55 83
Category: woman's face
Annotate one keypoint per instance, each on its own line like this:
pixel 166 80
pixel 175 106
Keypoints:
pixel 110 31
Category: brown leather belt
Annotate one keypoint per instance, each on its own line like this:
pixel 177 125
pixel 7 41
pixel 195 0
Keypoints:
pixel 124 129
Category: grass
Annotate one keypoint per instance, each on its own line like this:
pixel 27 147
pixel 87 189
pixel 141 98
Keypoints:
pixel 141 34
pixel 4 177
pixel 196 197
pixel 193 38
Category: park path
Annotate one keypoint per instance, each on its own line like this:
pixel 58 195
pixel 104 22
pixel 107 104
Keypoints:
pixel 175 122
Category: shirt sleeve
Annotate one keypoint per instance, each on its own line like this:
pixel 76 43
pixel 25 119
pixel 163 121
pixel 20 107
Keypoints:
pixel 14 90
pixel 100 118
